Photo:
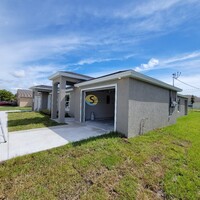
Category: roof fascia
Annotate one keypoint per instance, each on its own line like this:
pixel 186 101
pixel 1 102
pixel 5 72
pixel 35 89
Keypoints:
pixel 103 79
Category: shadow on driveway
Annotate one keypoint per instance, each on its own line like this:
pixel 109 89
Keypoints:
pixel 35 140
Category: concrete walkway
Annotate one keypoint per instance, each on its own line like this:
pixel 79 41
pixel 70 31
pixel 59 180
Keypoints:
pixel 35 140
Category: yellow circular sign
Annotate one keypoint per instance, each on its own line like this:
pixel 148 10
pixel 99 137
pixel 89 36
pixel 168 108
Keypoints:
pixel 91 100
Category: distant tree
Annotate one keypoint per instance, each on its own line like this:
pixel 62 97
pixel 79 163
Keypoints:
pixel 6 95
pixel 192 99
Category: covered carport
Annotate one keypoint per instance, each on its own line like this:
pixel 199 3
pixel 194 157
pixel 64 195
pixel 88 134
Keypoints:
pixel 41 97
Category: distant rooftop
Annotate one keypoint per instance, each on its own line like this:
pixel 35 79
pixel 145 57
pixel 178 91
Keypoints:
pixel 183 96
pixel 24 93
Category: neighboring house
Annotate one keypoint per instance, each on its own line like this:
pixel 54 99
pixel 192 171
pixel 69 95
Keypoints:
pixel 24 98
pixel 196 105
pixel 41 97
pixel 182 105
pixel 134 102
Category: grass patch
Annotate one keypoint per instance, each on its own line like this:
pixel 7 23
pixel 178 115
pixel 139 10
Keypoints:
pixel 28 120
pixel 163 164
pixel 7 108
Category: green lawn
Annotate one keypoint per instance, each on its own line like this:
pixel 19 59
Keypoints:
pixel 163 164
pixel 6 108
pixel 28 120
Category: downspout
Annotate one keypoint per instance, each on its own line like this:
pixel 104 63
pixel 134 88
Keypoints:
pixel 142 123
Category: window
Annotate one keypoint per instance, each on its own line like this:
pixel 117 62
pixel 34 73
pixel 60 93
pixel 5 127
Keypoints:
pixel 67 102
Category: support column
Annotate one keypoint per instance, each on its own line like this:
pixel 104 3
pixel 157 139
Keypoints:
pixel 49 102
pixel 33 102
pixel 61 103
pixel 42 99
pixel 54 107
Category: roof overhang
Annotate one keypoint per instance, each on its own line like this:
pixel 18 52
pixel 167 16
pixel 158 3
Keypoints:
pixel 129 74
pixel 42 89
pixel 69 75
pixel 105 78
pixel 182 96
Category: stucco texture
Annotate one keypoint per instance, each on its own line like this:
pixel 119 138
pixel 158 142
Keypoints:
pixel 148 107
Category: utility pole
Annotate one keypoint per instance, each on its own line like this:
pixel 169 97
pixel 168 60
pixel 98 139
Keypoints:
pixel 175 76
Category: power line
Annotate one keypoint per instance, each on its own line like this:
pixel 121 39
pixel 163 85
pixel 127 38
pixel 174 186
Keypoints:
pixel 188 84
pixel 191 89
pixel 175 76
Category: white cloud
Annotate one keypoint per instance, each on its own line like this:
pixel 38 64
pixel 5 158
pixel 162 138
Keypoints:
pixel 146 8
pixel 16 56
pixel 29 50
pixel 183 62
pixel 150 7
pixel 99 60
pixel 160 17
pixel 18 74
pixel 183 57
pixel 150 65
pixel 89 61
pixel 187 63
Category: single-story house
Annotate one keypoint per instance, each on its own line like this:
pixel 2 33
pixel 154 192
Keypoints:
pixel 24 98
pixel 196 105
pixel 41 97
pixel 134 102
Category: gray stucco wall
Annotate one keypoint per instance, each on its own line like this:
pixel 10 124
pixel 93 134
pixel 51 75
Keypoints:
pixel 148 107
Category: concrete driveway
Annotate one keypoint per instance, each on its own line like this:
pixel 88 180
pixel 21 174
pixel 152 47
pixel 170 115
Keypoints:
pixel 35 140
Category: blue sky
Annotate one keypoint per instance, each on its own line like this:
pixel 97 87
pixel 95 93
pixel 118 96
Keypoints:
pixel 154 37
